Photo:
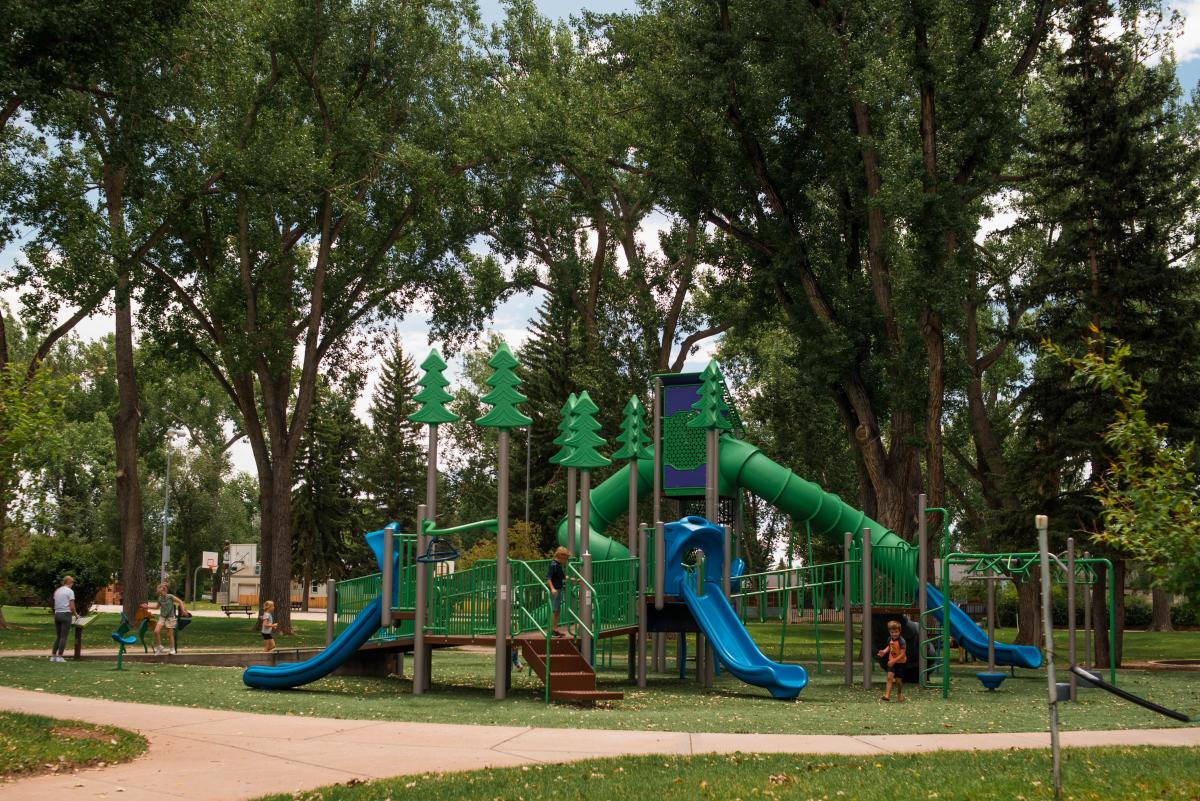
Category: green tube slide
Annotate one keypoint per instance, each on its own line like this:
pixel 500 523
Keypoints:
pixel 610 500
pixel 745 466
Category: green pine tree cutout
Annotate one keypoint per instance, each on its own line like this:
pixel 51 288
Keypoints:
pixel 584 440
pixel 633 438
pixel 711 408
pixel 433 396
pixel 564 429
pixel 504 396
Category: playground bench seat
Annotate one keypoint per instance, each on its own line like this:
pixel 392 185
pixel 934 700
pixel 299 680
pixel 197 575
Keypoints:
pixel 231 609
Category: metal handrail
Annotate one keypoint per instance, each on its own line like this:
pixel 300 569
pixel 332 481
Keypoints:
pixel 533 619
pixel 596 616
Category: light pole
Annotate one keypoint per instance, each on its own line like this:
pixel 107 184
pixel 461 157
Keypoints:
pixel 172 435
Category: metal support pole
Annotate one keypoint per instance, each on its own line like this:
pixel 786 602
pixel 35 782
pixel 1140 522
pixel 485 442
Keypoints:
pixel 922 583
pixel 572 492
pixel 422 656
pixel 991 622
pixel 387 586
pixel 585 529
pixel 502 650
pixel 868 648
pixel 330 610
pixel 726 569
pixel 660 556
pixel 711 499
pixel 1043 525
pixel 657 491
pixel 420 676
pixel 847 616
pixel 162 573
pixel 1087 622
pixel 641 608
pixel 701 647
pixel 1071 613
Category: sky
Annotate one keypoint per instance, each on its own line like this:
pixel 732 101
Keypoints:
pixel 512 317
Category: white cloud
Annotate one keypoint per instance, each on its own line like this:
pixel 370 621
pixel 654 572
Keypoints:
pixel 1187 46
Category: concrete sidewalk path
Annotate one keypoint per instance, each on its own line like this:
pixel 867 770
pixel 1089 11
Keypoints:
pixel 224 755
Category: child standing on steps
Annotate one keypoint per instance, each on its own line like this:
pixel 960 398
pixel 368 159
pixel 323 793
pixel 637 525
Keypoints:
pixel 268 626
pixel 894 653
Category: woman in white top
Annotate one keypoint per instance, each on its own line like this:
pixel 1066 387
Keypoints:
pixel 64 614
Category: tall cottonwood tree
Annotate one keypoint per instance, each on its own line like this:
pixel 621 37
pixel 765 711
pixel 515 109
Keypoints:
pixel 89 200
pixel 347 137
pixel 845 146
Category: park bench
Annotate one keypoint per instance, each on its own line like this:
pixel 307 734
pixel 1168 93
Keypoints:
pixel 231 609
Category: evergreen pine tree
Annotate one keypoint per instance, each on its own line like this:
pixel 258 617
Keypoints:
pixel 584 440
pixel 394 462
pixel 504 397
pixel 1113 188
pixel 326 515
pixel 634 439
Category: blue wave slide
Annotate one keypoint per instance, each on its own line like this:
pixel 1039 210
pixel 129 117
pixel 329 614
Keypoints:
pixel 714 615
pixel 295 674
pixel 734 647
pixel 975 640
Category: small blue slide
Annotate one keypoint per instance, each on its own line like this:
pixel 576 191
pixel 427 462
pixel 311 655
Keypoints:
pixel 284 677
pixel 295 674
pixel 975 640
pixel 730 641
pixel 734 647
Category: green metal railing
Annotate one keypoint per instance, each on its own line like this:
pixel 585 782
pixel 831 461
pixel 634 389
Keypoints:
pixel 892 571
pixel 531 607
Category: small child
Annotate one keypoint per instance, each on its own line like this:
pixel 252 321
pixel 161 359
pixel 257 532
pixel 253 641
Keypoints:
pixel 515 656
pixel 268 626
pixel 894 653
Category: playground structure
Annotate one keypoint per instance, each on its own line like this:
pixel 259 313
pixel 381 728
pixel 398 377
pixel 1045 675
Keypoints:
pixel 679 578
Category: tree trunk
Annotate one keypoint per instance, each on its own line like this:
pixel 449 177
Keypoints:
pixel 128 418
pixel 1160 618
pixel 1100 620
pixel 1029 611
pixel 188 577
pixel 275 553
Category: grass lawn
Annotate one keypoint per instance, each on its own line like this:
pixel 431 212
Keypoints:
pixel 33 628
pixel 462 694
pixel 1139 646
pixel 35 744
pixel 1111 774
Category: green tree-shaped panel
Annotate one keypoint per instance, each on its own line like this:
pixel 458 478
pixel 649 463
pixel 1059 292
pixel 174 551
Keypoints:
pixel 584 440
pixel 504 396
pixel 564 429
pixel 433 396
pixel 711 409
pixel 633 437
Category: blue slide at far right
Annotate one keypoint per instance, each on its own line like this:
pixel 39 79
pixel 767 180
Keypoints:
pixel 975 640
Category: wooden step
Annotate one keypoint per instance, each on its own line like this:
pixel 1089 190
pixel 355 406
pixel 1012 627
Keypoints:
pixel 585 696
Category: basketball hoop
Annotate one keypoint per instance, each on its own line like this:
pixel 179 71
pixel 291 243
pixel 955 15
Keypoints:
pixel 211 564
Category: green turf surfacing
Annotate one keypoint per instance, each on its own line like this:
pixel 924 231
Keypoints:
pixel 462 693
pixel 1111 774
pixel 31 744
